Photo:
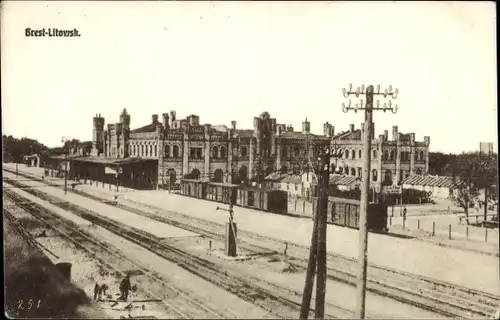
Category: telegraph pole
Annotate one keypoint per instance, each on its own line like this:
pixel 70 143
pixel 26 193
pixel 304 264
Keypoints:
pixel 363 230
pixel 324 169
pixel 317 253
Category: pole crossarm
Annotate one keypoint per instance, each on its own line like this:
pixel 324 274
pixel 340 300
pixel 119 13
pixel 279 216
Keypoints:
pixel 369 93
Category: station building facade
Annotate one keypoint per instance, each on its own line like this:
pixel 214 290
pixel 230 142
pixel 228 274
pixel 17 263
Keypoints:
pixel 171 148
pixel 392 159
pixel 166 150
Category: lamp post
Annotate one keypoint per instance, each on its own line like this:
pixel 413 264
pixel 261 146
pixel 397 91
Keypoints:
pixel 66 154
pixel 363 231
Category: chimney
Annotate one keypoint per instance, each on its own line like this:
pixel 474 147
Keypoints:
pixel 233 125
pixel 427 140
pixel 172 115
pixel 351 127
pixel 332 131
pixel 412 137
pixel 165 120
pixel 386 135
pixel 289 128
pixel 394 133
pixel 154 118
pixel 381 137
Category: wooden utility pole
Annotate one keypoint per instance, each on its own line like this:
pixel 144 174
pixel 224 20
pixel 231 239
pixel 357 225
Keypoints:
pixel 324 170
pixel 311 269
pixel 317 254
pixel 363 230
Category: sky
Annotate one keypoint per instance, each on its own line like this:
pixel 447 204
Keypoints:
pixel 229 61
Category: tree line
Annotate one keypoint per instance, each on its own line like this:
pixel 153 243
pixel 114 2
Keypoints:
pixel 14 149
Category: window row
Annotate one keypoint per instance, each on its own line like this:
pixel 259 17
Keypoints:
pixel 404 155
pixel 142 150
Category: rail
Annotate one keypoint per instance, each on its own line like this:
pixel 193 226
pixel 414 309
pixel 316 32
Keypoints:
pixel 434 296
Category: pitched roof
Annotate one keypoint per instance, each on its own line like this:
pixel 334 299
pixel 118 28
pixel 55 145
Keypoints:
pixel 147 128
pixel 220 128
pixel 341 134
pixel 294 179
pixel 428 180
pixel 244 133
pixel 275 176
pixel 347 180
pixel 300 135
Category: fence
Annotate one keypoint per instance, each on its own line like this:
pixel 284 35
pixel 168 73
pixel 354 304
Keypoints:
pixel 451 231
pixel 300 206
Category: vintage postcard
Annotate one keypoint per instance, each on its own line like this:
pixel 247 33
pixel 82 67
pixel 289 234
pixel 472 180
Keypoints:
pixel 250 159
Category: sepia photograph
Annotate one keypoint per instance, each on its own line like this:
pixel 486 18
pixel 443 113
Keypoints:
pixel 250 160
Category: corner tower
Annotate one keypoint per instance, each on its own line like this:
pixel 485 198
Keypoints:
pixel 97 135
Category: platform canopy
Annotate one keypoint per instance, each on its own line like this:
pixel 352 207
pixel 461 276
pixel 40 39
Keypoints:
pixel 105 161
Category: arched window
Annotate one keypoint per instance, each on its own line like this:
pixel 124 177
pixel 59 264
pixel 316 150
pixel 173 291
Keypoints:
pixel 419 171
pixel 243 151
pixel 386 155
pixel 142 150
pixel 416 156
pixel 346 170
pixel 341 170
pixel 283 152
pixel 223 152
pixel 147 149
pixel 374 154
pixel 393 154
pixel 150 151
pixel 359 154
pixel 121 151
pixel 421 155
pixel 176 151
pixel 215 152
pixel 353 171
pixel 353 154
pixel 360 172
pixel 156 151
pixel 167 151
pixel 297 152
pixel 374 175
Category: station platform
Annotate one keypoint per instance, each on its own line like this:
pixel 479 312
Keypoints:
pixel 157 229
pixel 469 269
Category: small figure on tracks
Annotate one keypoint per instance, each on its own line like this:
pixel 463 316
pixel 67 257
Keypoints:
pixel 125 288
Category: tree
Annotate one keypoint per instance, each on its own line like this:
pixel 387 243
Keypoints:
pixel 15 149
pixel 472 172
pixel 438 162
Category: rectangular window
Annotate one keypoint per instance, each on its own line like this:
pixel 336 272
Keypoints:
pixel 193 153
pixel 199 152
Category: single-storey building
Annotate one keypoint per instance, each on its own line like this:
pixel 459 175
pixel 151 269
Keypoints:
pixel 439 186
pixel 344 182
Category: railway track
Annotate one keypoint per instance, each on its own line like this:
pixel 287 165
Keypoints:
pixel 429 294
pixel 278 301
pixel 174 300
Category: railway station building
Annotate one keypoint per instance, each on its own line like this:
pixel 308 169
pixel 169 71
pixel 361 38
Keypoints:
pixel 159 154
pixel 164 151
